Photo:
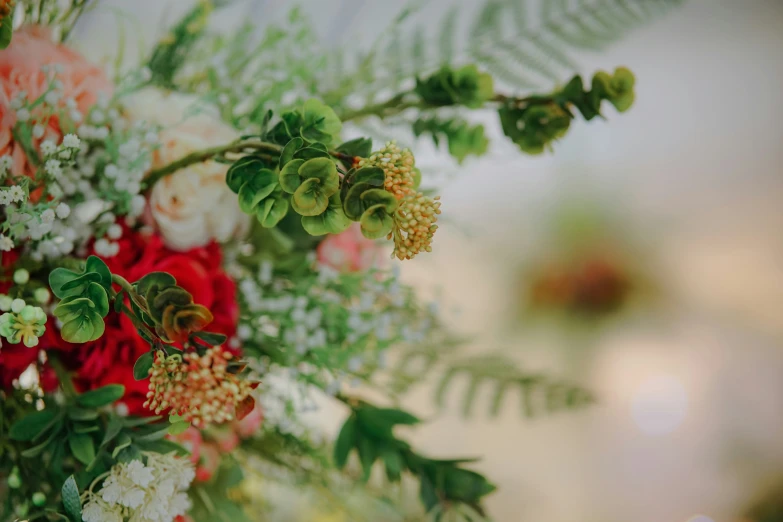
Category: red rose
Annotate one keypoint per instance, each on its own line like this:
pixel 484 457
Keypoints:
pixel 110 359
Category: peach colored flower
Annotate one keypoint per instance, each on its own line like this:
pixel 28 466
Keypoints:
pixel 20 70
pixel 192 206
pixel 349 251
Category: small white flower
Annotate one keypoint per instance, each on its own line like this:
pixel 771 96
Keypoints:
pixel 70 103
pixel 21 276
pixel 52 97
pixel 22 115
pixel 17 194
pixel 42 295
pixel 71 141
pixel 6 162
pixel 48 148
pixel 17 305
pixel 47 216
pixel 63 211
pixel 244 332
pixel 53 168
pixel 97 117
pixel 114 231
pixel 5 197
pixel 76 116
pixel 111 171
pixel 6 243
pixel 111 491
pixel 133 498
pixel 137 205
pixel 140 474
pixel 5 302
pixel 101 133
pixel 38 131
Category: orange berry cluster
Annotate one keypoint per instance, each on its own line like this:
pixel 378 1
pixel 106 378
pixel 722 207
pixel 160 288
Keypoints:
pixel 415 225
pixel 197 387
pixel 397 165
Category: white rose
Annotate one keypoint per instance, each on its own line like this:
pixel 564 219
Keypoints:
pixel 192 206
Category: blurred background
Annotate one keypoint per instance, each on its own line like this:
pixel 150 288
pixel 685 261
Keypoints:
pixel 643 260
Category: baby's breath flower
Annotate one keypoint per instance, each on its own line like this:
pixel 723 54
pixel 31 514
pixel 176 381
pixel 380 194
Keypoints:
pixel 6 162
pixel 47 216
pixel 21 276
pixel 48 148
pixel 62 211
pixel 53 168
pixel 71 141
pixel 17 194
pixel 22 115
pixel 6 243
pixel 38 131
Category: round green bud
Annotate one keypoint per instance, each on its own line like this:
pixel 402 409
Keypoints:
pixel 5 302
pixel 21 276
pixel 42 295
pixel 14 481
pixel 39 499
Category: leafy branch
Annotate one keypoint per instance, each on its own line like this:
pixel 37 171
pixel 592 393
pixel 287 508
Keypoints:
pixel 443 482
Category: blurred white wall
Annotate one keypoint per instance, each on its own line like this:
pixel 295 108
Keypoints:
pixel 697 165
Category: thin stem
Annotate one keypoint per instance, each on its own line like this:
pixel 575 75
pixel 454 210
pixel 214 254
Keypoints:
pixel 62 375
pixel 206 154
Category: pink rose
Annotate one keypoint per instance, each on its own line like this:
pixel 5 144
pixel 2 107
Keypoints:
pixel 349 251
pixel 20 70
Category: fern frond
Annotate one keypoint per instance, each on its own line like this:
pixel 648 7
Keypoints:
pixel 539 393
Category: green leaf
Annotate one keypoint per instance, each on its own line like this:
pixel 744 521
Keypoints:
pixel 112 430
pixel 332 221
pixel 80 414
pixel 82 447
pixel 123 442
pixel 157 431
pixel 71 500
pixel 155 279
pixel 97 294
pixel 178 427
pixel 141 369
pixel 324 170
pixel 6 32
pixel 31 425
pixel 376 222
pixel 289 176
pixel 256 189
pixel 129 454
pixel 211 338
pixel 346 440
pixel 361 147
pixel 163 446
pixel 101 396
pixel 78 286
pixel 272 210
pixel 393 463
pixel 241 171
pixel 60 277
pixel 315 150
pixel 371 175
pixel 96 265
pixel 309 199
pixel 367 456
pixel 289 150
pixel 37 450
pixel 319 122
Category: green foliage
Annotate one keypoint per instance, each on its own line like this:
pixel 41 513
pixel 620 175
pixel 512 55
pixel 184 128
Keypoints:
pixel 6 31
pixel 534 123
pixel 366 202
pixel 370 431
pixel 464 86
pixel 538 392
pixel 71 501
pixel 463 139
pixel 172 51
pixel 319 122
pixel 361 147
pixel 84 300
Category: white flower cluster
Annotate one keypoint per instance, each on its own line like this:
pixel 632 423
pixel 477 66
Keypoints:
pixel 135 492
pixel 349 320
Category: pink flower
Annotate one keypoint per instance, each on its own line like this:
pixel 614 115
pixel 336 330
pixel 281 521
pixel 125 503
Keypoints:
pixel 226 438
pixel 349 251
pixel 20 70
pixel 191 440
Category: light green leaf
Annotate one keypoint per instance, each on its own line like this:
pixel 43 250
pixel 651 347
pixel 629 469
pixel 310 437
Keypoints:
pixel 289 176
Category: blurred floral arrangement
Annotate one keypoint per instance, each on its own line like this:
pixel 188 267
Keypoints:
pixel 180 238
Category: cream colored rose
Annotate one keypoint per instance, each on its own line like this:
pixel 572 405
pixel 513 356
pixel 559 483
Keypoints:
pixel 192 206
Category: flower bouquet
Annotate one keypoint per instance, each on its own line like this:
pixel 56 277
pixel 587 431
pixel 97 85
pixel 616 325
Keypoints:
pixel 194 253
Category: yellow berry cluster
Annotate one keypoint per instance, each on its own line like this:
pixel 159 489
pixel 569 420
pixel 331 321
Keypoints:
pixel 397 165
pixel 414 222
pixel 197 387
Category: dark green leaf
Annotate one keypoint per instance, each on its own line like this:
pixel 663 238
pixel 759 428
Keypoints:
pixel 367 456
pixel 112 429
pixel 141 369
pixel 361 147
pixel 211 338
pixel 71 500
pixel 101 396
pixel 58 278
pixel 80 414
pixel 96 265
pixel 82 447
pixel 123 441
pixel 31 425
pixel 346 440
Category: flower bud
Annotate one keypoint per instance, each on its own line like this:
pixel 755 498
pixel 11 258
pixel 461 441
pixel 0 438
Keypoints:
pixel 39 499
pixel 21 276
